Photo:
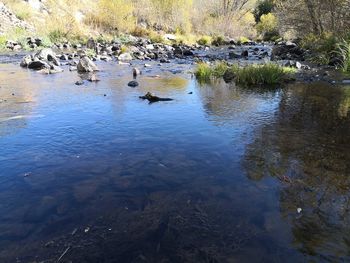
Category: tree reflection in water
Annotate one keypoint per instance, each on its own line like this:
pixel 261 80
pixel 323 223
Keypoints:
pixel 306 148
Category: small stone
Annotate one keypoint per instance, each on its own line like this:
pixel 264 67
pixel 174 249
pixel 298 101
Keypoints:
pixel 299 210
pixel 79 82
pixel 136 72
pixel 133 84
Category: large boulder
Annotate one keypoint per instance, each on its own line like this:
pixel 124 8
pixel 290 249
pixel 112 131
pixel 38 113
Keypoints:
pixel 38 65
pixel 86 65
pixel 47 54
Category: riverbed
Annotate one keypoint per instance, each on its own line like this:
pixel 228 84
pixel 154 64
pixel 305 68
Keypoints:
pixel 92 173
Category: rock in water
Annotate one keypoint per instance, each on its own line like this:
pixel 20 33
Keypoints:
pixel 93 78
pixel 38 65
pixel 26 61
pixel 47 54
pixel 86 65
pixel 133 84
pixel 136 72
pixel 152 98
pixel 245 53
pixel 125 57
pixel 79 82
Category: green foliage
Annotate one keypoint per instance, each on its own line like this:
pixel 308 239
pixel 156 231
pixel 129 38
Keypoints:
pixel 266 74
pixel 322 47
pixel 204 40
pixel 243 40
pixel 218 41
pixel 268 26
pixel 203 72
pixel 219 69
pixel 343 50
pixel 263 7
pixel 156 38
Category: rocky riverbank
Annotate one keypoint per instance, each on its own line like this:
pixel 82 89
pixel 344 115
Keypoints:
pixel 82 58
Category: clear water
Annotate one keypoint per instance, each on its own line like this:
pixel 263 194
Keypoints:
pixel 94 174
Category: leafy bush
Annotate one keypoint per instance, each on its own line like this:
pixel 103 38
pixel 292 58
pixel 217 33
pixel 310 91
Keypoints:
pixel 322 46
pixel 268 26
pixel 263 7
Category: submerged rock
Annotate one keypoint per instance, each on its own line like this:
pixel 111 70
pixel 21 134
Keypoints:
pixel 133 84
pixel 79 82
pixel 152 98
pixel 86 65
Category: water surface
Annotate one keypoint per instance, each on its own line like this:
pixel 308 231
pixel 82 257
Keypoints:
pixel 218 175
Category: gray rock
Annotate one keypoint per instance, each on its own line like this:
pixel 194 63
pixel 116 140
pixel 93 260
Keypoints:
pixel 86 65
pixel 133 84
pixel 136 72
pixel 79 82
pixel 25 61
pixel 125 57
pixel 38 65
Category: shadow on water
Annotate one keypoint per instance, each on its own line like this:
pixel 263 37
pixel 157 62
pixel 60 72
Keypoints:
pixel 306 148
pixel 107 177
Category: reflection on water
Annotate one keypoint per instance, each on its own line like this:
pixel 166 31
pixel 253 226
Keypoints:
pixel 306 148
pixel 213 176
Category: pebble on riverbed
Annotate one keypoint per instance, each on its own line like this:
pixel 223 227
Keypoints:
pixel 133 84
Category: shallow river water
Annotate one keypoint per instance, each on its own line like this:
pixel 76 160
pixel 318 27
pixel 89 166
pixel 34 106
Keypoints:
pixel 92 173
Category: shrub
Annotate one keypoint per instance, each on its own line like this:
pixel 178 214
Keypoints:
pixel 268 26
pixel 140 32
pixel 156 38
pixel 218 41
pixel 204 40
pixel 243 40
pixel 322 46
pixel 263 7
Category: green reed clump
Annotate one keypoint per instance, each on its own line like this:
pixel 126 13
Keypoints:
pixel 343 50
pixel 262 74
pixel 265 74
pixel 203 72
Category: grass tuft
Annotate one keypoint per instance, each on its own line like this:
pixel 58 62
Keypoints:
pixel 266 74
pixel 343 50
